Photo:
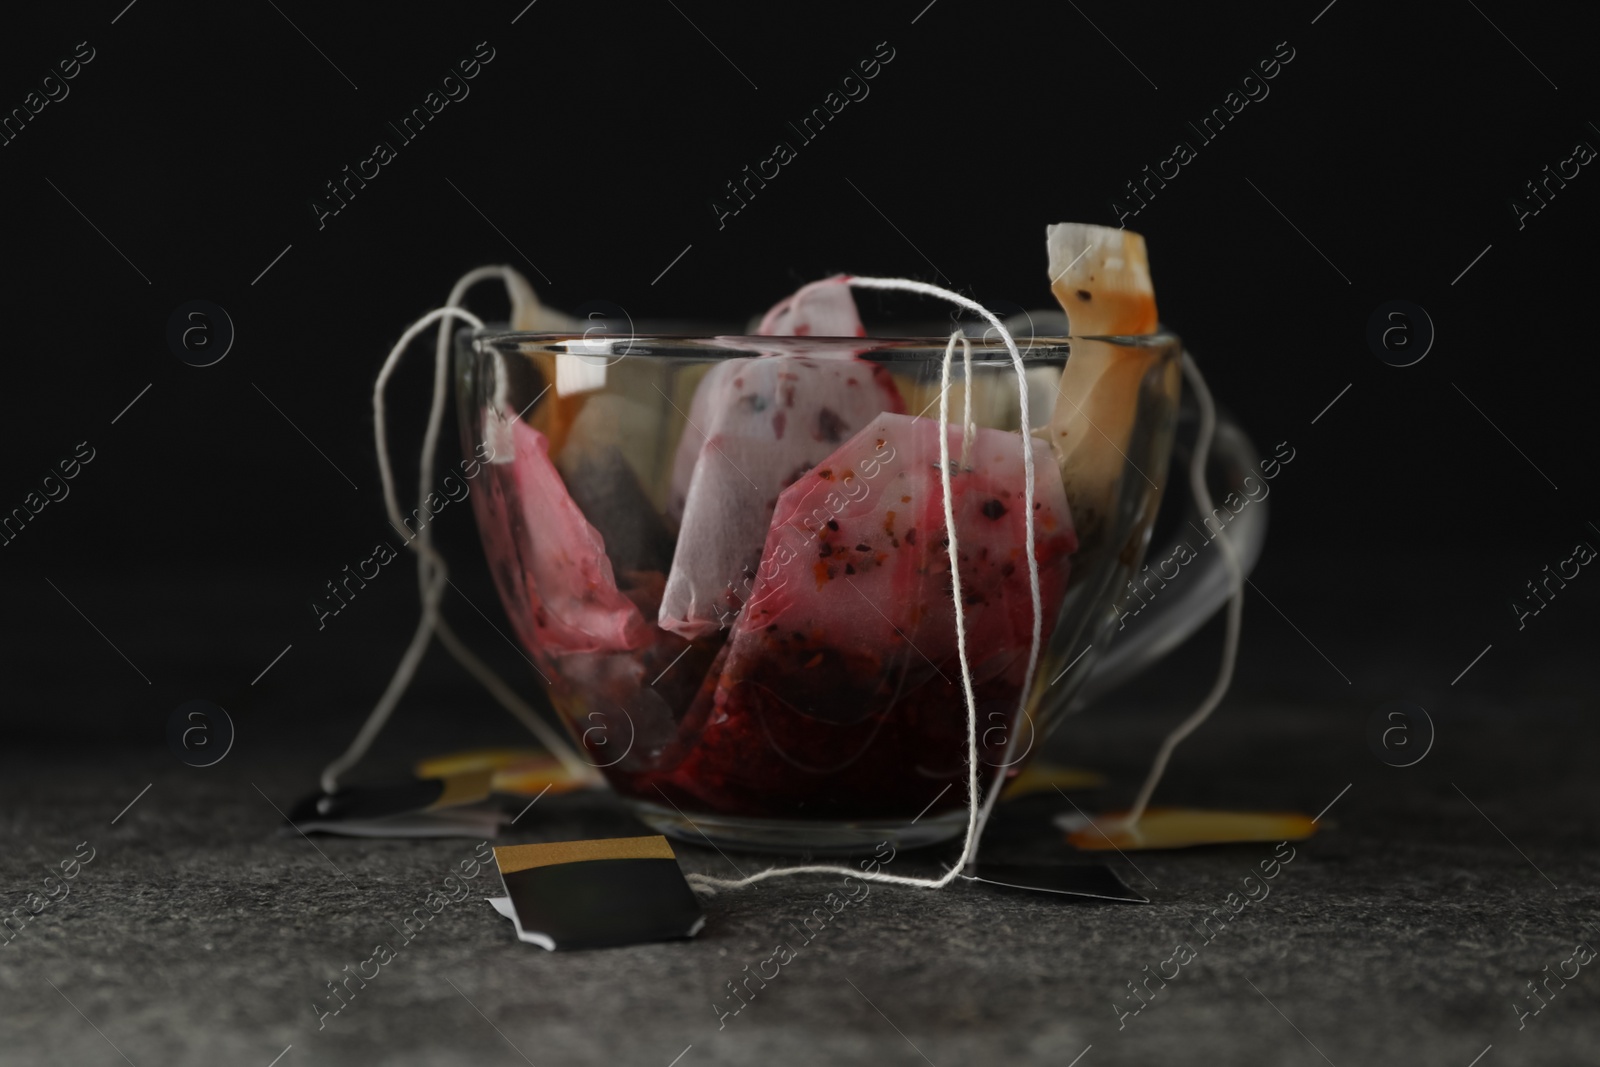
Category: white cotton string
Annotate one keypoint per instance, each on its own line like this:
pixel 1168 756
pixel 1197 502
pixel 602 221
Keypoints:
pixel 708 885
pixel 433 588
pixel 969 429
pixel 429 559
pixel 1230 642
pixel 432 573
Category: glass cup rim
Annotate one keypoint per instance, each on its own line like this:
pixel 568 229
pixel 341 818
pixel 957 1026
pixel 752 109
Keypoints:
pixel 707 345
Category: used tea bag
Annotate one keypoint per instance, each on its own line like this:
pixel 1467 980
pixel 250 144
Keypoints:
pixel 1101 277
pixel 605 486
pixel 600 460
pixel 755 425
pixel 856 566
pixel 842 672
pixel 821 309
pixel 528 314
pixel 559 585
pixel 586 434
pixel 588 632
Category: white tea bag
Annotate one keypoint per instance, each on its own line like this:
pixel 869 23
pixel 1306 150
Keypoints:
pixel 821 309
pixel 757 425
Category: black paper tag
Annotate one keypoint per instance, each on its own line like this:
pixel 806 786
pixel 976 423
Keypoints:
pixel 452 805
pixel 597 894
pixel 1090 881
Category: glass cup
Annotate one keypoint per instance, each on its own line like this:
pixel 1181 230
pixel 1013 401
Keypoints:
pixel 726 557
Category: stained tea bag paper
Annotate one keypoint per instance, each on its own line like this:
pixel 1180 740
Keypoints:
pixel 856 551
pixel 754 426
pixel 567 600
pixel 1101 277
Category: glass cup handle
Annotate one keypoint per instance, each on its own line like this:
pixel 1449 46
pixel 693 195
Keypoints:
pixel 1200 588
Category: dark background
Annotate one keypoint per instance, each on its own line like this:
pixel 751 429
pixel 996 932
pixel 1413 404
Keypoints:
pixel 595 141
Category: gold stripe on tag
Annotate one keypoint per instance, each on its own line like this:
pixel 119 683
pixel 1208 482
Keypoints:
pixel 513 858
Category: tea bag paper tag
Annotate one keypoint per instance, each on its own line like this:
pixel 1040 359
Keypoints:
pixel 575 373
pixel 497 435
pixel 596 894
pixel 1183 828
pixel 455 805
pixel 528 315
pixel 503 906
pixel 517 771
pixel 1088 881
pixel 580 371
pixel 1041 776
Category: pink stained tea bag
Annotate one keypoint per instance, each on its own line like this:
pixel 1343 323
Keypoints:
pixel 755 425
pixel 553 572
pixel 856 570
pixel 839 690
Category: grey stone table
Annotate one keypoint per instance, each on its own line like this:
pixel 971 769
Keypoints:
pixel 1404 932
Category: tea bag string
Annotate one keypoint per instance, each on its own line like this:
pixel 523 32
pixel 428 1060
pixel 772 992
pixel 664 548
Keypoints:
pixel 428 557
pixel 708 885
pixel 432 573
pixel 968 429
pixel 1230 559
